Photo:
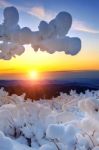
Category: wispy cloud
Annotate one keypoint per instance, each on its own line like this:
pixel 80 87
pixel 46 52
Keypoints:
pixel 42 13
pixel 4 3
pixel 38 11
pixel 7 70
pixel 83 27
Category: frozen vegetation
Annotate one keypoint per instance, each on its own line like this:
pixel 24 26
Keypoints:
pixel 50 36
pixel 67 122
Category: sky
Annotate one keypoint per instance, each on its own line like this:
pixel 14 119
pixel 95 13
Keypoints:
pixel 85 26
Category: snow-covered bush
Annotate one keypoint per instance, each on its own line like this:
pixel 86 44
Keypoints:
pixel 50 36
pixel 67 122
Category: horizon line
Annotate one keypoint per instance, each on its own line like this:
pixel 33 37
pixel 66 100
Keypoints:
pixel 50 71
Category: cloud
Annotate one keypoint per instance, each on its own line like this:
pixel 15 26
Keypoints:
pixel 4 3
pixel 83 27
pixel 38 11
pixel 51 36
pixel 6 70
pixel 41 13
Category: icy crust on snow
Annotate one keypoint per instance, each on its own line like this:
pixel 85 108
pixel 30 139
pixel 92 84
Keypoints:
pixel 67 122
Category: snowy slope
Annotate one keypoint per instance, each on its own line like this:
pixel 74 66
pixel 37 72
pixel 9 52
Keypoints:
pixel 67 122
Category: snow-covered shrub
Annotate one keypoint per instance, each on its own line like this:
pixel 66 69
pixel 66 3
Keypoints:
pixel 67 122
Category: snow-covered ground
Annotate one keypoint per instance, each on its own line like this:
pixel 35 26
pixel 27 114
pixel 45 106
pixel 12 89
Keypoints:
pixel 67 122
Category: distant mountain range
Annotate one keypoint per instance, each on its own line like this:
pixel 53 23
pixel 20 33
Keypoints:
pixel 92 83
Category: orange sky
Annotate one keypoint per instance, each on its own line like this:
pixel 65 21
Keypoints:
pixel 87 59
pixel 85 26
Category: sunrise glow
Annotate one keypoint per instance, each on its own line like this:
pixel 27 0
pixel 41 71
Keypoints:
pixel 23 66
pixel 33 75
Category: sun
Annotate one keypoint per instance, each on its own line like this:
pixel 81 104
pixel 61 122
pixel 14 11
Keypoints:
pixel 33 75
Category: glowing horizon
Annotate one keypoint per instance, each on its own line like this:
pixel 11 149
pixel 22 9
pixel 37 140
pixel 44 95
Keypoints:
pixel 86 29
pixel 39 62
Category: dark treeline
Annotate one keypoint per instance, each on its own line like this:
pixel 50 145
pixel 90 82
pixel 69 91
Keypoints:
pixel 45 91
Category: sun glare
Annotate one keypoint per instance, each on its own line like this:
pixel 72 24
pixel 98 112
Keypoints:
pixel 33 75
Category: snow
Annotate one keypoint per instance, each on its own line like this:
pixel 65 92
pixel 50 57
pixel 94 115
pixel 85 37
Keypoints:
pixel 67 122
pixel 7 143
pixel 55 131
pixel 50 36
